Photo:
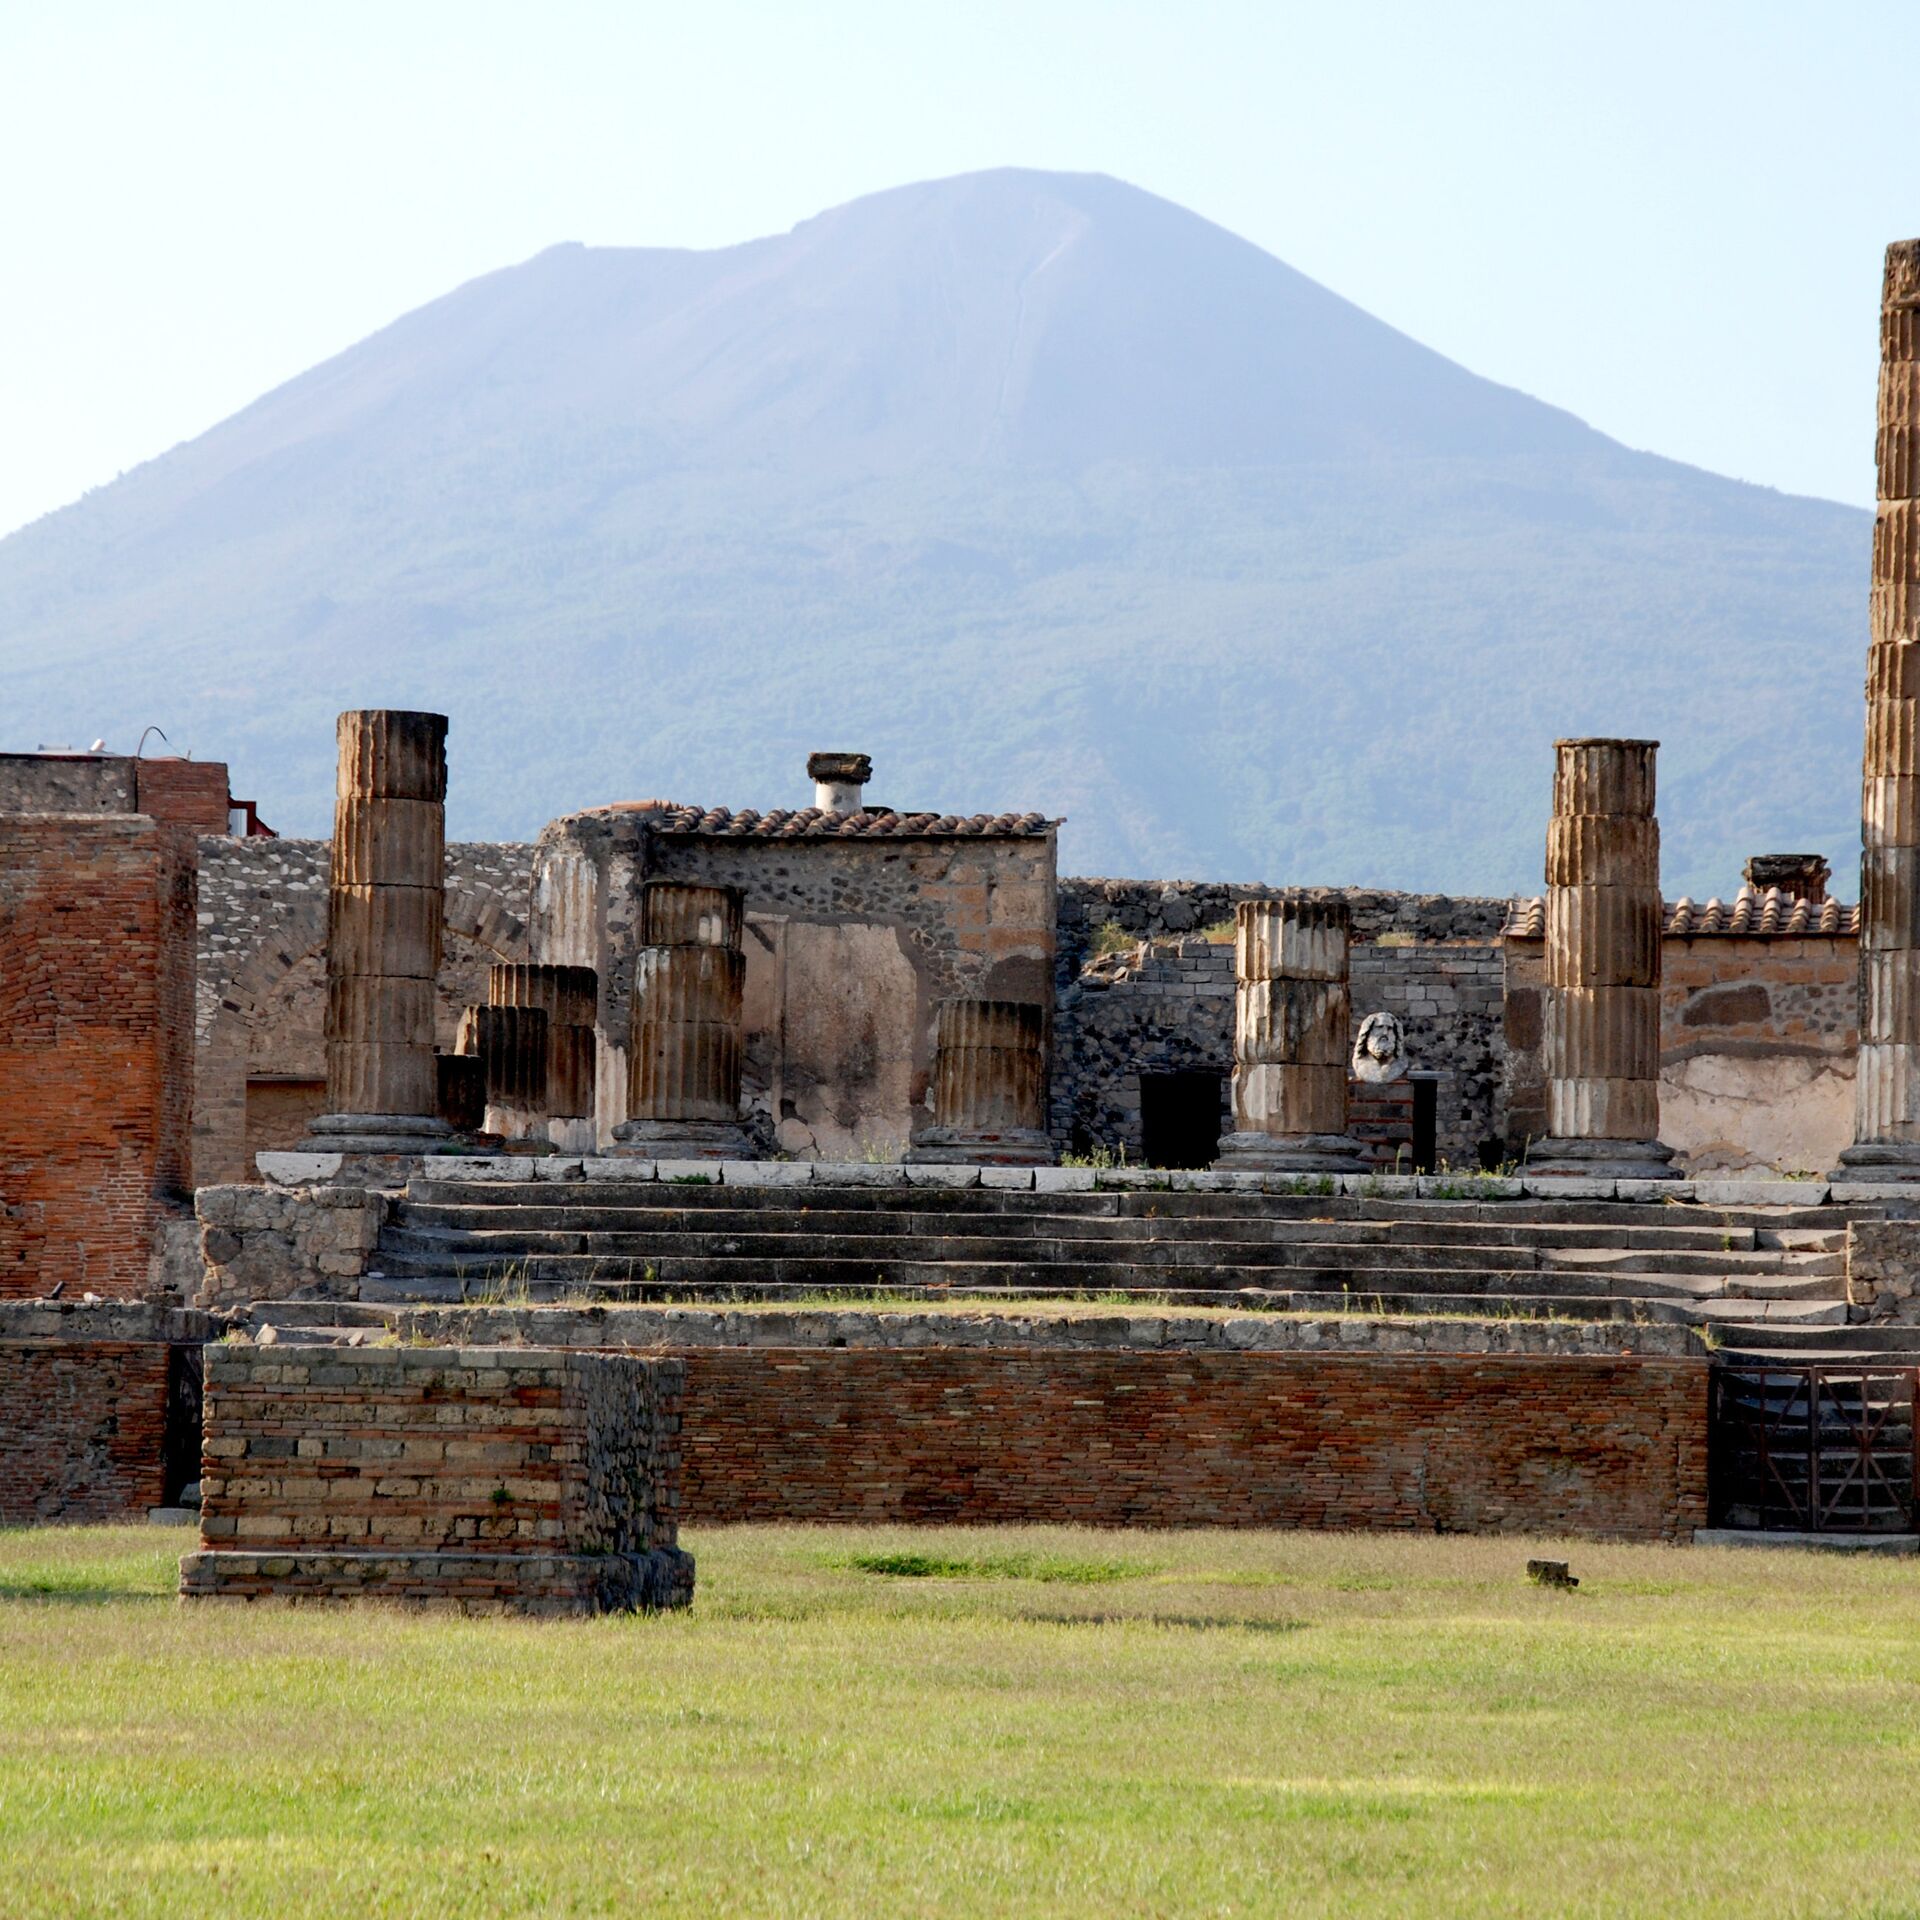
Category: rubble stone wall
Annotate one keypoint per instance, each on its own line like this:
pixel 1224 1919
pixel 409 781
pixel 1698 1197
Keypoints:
pixel 1608 1448
pixel 260 1003
pixel 482 1479
pixel 285 1243
pixel 1168 1007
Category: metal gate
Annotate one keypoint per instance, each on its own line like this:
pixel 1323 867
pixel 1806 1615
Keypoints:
pixel 1814 1449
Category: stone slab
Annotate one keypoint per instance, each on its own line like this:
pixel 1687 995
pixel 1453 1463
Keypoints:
pixel 1020 1179
pixel 618 1167
pixel 858 1173
pixel 558 1166
pixel 1760 1193
pixel 766 1173
pixel 690 1173
pixel 947 1175
pixel 297 1169
pixel 1887 1543
pixel 1652 1192
pixel 1063 1179
pixel 1571 1187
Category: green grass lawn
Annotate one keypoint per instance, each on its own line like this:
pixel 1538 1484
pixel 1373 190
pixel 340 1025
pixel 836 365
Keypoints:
pixel 964 1722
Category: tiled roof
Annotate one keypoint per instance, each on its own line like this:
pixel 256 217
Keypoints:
pixel 1769 915
pixel 809 823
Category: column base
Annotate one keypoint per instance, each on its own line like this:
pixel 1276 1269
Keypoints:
pixel 1291 1153
pixel 681 1140
pixel 1552 1159
pixel 376 1133
pixel 978 1147
pixel 1878 1160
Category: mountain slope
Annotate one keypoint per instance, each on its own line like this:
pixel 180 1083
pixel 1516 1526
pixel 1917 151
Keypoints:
pixel 1040 489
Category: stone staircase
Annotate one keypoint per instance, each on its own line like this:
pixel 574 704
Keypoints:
pixel 1763 1283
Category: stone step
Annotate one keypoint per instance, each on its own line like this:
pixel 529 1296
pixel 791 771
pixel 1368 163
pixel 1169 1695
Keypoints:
pixel 584 1216
pixel 448 1290
pixel 1133 1202
pixel 1721 1261
pixel 506 1243
pixel 589 1272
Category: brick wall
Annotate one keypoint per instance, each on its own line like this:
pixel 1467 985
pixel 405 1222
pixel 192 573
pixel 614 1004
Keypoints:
pixel 86 1393
pixel 1612 1448
pixel 96 1047
pixel 483 1479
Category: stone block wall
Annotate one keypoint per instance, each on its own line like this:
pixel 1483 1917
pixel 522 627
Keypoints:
pixel 484 1480
pixel 101 1409
pixel 1883 1271
pixel 96 1048
pixel 285 1243
pixel 1609 1448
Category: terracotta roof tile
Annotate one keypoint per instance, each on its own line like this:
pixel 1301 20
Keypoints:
pixel 809 823
pixel 1769 915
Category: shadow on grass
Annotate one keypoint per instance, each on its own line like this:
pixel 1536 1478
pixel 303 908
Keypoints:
pixel 50 1590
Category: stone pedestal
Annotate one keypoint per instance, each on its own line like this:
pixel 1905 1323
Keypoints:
pixel 569 997
pixel 1886 1125
pixel 1604 924
pixel 1290 1019
pixel 989 1087
pixel 386 912
pixel 511 1045
pixel 683 1060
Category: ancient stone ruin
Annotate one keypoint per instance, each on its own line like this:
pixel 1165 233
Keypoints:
pixel 516 1175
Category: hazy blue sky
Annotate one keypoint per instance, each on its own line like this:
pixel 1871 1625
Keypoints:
pixel 1666 217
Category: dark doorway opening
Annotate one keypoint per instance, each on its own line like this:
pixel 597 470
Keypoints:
pixel 1180 1118
pixel 1426 1123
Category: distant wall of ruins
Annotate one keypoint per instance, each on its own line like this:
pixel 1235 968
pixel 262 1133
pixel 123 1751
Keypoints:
pixel 260 1006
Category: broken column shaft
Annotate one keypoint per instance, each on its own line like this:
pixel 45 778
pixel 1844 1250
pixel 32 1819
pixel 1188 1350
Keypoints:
pixel 684 1056
pixel 1604 925
pixel 1886 1124
pixel 386 911
pixel 569 997
pixel 1290 1019
pixel 989 1086
pixel 511 1045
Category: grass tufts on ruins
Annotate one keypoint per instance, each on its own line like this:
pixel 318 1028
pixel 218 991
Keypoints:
pixel 1252 1722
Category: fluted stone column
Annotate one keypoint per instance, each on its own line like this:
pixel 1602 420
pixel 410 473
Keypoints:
pixel 1290 1018
pixel 683 1060
pixel 1886 1119
pixel 511 1044
pixel 1604 925
pixel 386 913
pixel 569 997
pixel 989 1087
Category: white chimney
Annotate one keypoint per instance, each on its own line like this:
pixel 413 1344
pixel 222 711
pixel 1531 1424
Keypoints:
pixel 837 779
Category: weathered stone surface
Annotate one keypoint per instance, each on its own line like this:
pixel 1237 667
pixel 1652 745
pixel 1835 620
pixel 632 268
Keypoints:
pixel 683 1062
pixel 1604 930
pixel 569 997
pixel 386 910
pixel 287 1243
pixel 1886 1131
pixel 510 1043
pixel 989 1085
pixel 1290 1037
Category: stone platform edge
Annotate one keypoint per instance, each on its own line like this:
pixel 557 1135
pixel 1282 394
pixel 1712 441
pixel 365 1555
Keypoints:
pixel 309 1169
pixel 545 1584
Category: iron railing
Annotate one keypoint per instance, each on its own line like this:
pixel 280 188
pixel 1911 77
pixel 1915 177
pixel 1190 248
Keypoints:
pixel 1814 1449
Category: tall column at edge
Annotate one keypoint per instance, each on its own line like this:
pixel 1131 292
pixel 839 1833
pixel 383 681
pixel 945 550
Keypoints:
pixel 1886 1122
